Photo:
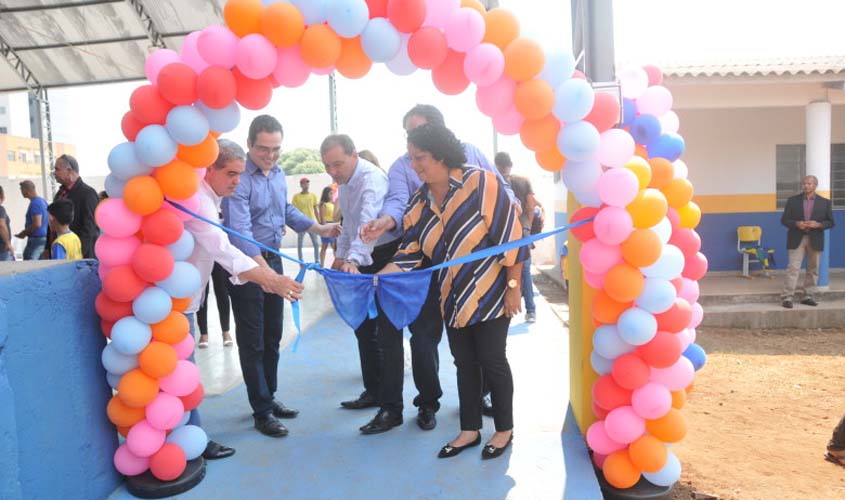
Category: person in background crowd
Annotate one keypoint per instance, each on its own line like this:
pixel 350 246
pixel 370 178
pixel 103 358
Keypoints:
pixel 326 211
pixel 66 245
pixel 369 156
pixel 84 199
pixel 36 228
pixel 221 296
pixel 306 202
pixel 6 250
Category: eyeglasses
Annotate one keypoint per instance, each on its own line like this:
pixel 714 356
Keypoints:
pixel 264 150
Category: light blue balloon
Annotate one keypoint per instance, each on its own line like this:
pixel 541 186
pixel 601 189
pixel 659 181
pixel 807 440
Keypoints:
pixel 608 344
pixel 183 247
pixel 113 380
pixel 222 120
pixel 114 186
pixel 637 326
pixel 124 164
pixel 380 40
pixel 116 362
pixel 581 175
pixel 185 418
pixel 578 141
pixel 696 355
pixel 658 295
pixel 130 335
pixel 152 306
pixel 154 147
pixel 668 475
pixel 348 18
pixel 574 100
pixel 600 365
pixel 669 266
pixel 588 198
pixel 191 439
pixel 187 125
pixel 558 68
pixel 314 11
pixel 182 282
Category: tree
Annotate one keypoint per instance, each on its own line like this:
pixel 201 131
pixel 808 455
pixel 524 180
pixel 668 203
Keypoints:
pixel 302 161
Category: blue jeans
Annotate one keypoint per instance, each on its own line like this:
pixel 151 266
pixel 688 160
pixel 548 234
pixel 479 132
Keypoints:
pixel 5 255
pixel 527 286
pixel 34 247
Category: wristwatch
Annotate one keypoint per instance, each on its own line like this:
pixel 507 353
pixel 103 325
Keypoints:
pixel 512 283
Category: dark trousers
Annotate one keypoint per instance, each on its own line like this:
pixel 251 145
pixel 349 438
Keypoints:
pixel 837 441
pixel 258 329
pixel 219 278
pixel 482 347
pixel 426 332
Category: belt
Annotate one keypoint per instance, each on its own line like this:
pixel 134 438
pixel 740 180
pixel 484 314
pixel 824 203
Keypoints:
pixel 268 255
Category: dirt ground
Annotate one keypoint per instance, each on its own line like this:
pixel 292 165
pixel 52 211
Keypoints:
pixel 761 413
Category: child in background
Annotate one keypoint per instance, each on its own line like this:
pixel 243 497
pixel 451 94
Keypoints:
pixel 67 245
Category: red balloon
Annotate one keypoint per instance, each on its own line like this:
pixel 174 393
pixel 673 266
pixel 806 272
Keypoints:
pixel 583 232
pixel 110 310
pixel 148 106
pixel 676 318
pixel 105 327
pixel 662 351
pixel 406 15
pixel 216 87
pixel 152 262
pixel 608 395
pixel 449 77
pixel 253 94
pixel 122 284
pixel 630 371
pixel 162 227
pixel 168 462
pixel 427 48
pixel 598 411
pixel 605 112
pixel 130 125
pixel 579 75
pixel 177 83
pixel 655 76
pixel 695 266
pixel 378 8
pixel 193 399
pixel 687 240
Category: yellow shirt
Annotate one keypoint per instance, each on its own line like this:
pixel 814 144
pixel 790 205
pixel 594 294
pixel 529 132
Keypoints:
pixel 70 242
pixel 305 202
pixel 328 212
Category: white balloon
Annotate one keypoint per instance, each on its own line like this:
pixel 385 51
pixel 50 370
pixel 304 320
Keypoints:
pixel 634 82
pixel 681 169
pixel 663 230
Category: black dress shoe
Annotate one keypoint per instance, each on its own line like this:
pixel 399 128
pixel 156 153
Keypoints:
pixel 216 451
pixel 382 422
pixel 426 419
pixel 486 405
pixel 491 451
pixel 270 426
pixel 787 304
pixel 450 451
pixel 363 401
pixel 282 411
pixel 809 302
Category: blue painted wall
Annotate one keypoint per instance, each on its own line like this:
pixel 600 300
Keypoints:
pixel 55 438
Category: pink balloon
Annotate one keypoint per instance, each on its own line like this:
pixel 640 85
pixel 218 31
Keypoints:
pixel 255 56
pixel 495 99
pixel 690 290
pixel 218 45
pixel 656 100
pixel 157 60
pixel 651 401
pixel 114 219
pixel 598 257
pixel 598 459
pixel 634 82
pixel 613 225
pixel 685 338
pixel 185 347
pixel 437 12
pixel 676 377
pixel 618 187
pixel 143 440
pixel 623 425
pixel 509 122
pixel 599 441
pixel 484 64
pixel 322 71
pixel 291 70
pixel 464 29
pixel 616 147
pixel 102 270
pixel 128 464
pixel 192 204
pixel 165 412
pixel 190 54
pixel 697 315
pixel 113 251
pixel 182 381
pixel 594 280
pixel 692 335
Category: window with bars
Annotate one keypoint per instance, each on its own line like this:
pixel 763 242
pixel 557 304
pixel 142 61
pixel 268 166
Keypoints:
pixel 837 175
pixel 791 168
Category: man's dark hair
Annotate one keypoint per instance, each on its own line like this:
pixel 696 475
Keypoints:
pixel 440 142
pixel 2 194
pixel 62 211
pixel 263 123
pixel 503 159
pixel 341 140
pixel 430 113
pixel 70 161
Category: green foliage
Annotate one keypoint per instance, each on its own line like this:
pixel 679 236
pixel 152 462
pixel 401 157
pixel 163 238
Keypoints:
pixel 301 161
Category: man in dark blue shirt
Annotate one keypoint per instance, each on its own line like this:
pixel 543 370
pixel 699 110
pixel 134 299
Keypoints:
pixel 36 222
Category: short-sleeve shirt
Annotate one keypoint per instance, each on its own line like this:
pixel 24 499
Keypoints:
pixel 4 219
pixel 305 202
pixel 521 189
pixel 37 206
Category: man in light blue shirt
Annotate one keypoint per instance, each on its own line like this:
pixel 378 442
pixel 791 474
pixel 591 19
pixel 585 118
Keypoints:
pixel 259 209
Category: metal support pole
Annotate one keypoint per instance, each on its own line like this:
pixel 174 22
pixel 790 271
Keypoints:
pixel 332 103
pixel 156 40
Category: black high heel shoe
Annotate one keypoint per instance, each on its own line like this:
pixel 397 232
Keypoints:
pixel 491 451
pixel 450 451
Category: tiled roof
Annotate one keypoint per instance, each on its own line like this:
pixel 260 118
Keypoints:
pixel 793 65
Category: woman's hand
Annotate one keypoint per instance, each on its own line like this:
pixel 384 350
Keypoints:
pixel 513 302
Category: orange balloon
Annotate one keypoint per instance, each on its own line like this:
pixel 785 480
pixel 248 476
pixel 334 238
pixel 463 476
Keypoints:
pixel 502 27
pixel 641 169
pixel 181 304
pixel 648 454
pixel 200 155
pixel 214 134
pixel 534 99
pixel 123 431
pixel 641 151
pixel 137 389
pixel 177 180
pixel 158 359
pixel 678 192
pixel 619 471
pixel 474 4
pixel 679 399
pixel 123 416
pixel 642 248
pixel 688 389
pixel 524 59
pixel 540 134
pixel 353 61
pixel 669 428
pixel 690 215
pixel 648 208
pixel 143 195
pixel 282 24
pixel 550 160
pixel 320 46
pixel 243 16
pixel 172 329
pixel 624 283
pixel 606 310
pixel 662 172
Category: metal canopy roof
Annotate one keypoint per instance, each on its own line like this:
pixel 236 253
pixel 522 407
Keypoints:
pixel 82 42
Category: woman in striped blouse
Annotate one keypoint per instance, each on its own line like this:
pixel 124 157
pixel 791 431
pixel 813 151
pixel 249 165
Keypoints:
pixel 460 210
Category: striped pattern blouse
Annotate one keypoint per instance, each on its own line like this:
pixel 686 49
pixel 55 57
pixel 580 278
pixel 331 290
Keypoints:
pixel 476 214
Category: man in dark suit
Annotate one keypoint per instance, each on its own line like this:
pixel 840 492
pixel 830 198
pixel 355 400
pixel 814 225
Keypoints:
pixel 806 216
pixel 84 199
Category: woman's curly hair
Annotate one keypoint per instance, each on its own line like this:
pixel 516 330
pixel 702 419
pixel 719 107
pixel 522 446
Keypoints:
pixel 440 142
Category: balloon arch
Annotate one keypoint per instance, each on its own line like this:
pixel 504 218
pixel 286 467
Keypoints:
pixel 640 254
